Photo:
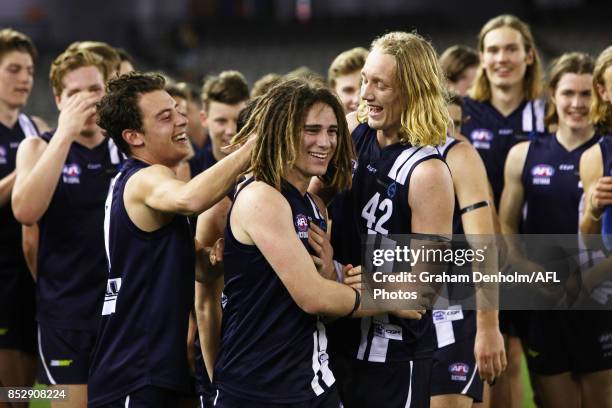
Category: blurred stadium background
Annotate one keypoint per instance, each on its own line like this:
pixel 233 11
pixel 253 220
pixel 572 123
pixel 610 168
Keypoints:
pixel 189 39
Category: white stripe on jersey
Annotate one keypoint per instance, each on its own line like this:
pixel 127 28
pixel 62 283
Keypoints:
pixel 380 344
pixel 401 160
pixel 127 402
pixel 29 130
pixel 407 167
pixel 366 323
pixel 409 399
pixel 42 358
pixel 315 209
pixel 467 386
pixel 528 118
pixel 318 351
pixel 107 210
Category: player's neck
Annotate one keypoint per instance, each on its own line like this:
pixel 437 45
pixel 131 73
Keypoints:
pixel 199 140
pixel 572 138
pixel 8 115
pixel 387 137
pixel 298 180
pixel 507 99
pixel 91 141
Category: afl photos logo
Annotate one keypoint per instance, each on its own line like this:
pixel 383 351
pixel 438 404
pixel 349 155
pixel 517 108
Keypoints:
pixel 301 224
pixel 542 173
pixel 481 138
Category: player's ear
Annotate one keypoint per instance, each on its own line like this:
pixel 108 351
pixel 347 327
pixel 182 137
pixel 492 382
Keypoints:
pixel 133 137
pixel 203 118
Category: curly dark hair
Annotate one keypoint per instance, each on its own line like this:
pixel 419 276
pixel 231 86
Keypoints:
pixel 118 110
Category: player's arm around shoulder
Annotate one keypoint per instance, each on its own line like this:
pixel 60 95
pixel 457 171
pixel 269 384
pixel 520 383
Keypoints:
pixel 591 175
pixel 513 194
pixel 431 198
pixel 262 216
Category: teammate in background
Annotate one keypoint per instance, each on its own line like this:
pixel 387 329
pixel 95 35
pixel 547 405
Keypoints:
pixel 61 182
pixel 460 65
pixel 198 134
pixel 468 341
pixel 502 110
pixel 401 80
pixel 127 62
pixel 140 357
pixel 455 110
pixel 344 77
pixel 596 162
pixel 304 72
pixel 569 370
pixel 263 84
pixel 17 323
pixel 109 55
pixel 223 97
pixel 272 298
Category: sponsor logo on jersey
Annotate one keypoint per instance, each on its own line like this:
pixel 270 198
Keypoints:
pixel 448 315
pixel 481 138
pixel 542 173
pixel 506 131
pixel 459 371
pixel 14 145
pixel 371 169
pixel 61 363
pixel 301 223
pixel 94 166
pixel 387 331
pixel 71 173
pixel 566 167
pixel 2 155
pixel 391 190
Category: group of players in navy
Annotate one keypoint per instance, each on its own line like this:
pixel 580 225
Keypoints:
pixel 132 237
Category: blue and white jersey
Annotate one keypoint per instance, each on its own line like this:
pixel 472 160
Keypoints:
pixel 552 186
pixel 11 253
pixel 379 201
pixel 271 350
pixel 494 134
pixel 71 264
pixel 149 294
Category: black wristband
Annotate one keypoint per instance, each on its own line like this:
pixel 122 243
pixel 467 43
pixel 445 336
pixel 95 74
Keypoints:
pixel 474 207
pixel 357 302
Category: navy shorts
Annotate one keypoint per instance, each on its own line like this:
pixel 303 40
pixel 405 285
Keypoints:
pixel 148 397
pixel 17 309
pixel 391 384
pixel 64 355
pixel 455 371
pixel 328 399
pixel 577 341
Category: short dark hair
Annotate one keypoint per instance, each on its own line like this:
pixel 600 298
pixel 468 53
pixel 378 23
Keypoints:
pixel 456 59
pixel 230 87
pixel 118 110
pixel 11 40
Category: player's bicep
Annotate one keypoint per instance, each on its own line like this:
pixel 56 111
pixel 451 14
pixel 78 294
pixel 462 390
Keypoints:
pixel 513 194
pixel 431 198
pixel 29 152
pixel 158 188
pixel 211 222
pixel 591 167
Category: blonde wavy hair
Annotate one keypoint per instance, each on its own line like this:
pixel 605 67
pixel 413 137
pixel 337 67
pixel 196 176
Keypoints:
pixel 532 83
pixel 601 111
pixel 420 82
pixel 278 119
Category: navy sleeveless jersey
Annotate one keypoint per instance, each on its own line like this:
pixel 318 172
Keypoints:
pixel 605 145
pixel 444 150
pixel 149 293
pixel 493 134
pixel 379 200
pixel 271 350
pixel 11 253
pixel 71 264
pixel 552 187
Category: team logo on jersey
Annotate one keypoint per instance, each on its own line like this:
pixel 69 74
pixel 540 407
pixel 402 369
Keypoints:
pixel 387 330
pixel 354 166
pixel 223 300
pixel 459 371
pixel 301 223
pixel 542 173
pixel 481 138
pixel 2 155
pixel 391 190
pixel 71 173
